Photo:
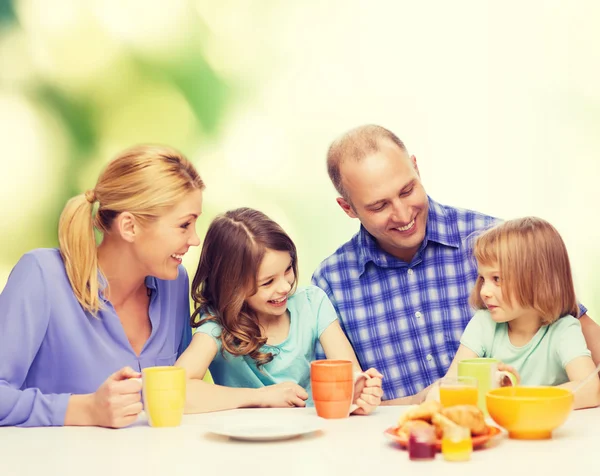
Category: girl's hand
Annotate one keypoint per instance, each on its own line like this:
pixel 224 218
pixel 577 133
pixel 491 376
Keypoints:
pixel 512 370
pixel 368 393
pixel 117 402
pixel 434 392
pixel 286 394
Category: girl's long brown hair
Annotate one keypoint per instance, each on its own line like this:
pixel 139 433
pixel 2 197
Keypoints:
pixel 534 267
pixel 233 249
pixel 146 181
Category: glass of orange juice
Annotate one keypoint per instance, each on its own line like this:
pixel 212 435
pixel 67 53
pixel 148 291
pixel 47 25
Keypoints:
pixel 457 444
pixel 458 391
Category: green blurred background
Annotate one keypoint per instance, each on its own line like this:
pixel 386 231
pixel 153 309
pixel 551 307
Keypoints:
pixel 499 101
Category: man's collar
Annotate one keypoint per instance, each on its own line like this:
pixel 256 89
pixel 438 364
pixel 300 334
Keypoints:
pixel 441 228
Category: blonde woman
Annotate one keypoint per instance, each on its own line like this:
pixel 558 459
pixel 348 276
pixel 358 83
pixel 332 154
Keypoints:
pixel 79 322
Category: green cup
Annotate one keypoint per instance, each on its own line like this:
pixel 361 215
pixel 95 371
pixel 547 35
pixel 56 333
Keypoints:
pixel 485 371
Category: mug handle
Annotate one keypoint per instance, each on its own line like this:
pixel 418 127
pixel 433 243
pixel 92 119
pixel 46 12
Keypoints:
pixel 357 376
pixel 505 378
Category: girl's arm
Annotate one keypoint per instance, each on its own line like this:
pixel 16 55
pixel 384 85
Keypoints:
pixel 337 347
pixel 433 391
pixel 204 397
pixel 462 353
pixel 591 332
pixel 472 344
pixel 578 369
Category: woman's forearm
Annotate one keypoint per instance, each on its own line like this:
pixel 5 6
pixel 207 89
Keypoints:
pixel 79 411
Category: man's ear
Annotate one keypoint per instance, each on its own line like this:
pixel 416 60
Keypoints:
pixel 413 159
pixel 126 226
pixel 346 207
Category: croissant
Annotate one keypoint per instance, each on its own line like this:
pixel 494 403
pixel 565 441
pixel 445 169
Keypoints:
pixel 468 416
pixel 406 428
pixel 441 422
pixel 422 412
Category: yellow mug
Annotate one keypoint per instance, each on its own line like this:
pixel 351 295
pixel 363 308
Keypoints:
pixel 163 391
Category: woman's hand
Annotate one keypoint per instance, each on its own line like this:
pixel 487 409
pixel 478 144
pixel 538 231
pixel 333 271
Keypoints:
pixel 368 393
pixel 286 394
pixel 117 402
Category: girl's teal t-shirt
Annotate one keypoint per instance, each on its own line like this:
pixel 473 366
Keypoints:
pixel 311 313
pixel 542 361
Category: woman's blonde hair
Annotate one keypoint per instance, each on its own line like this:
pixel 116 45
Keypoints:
pixel 233 249
pixel 146 181
pixel 534 267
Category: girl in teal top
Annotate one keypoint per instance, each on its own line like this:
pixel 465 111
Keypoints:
pixel 253 329
pixel 527 310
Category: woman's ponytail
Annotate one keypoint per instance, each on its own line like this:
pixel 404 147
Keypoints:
pixel 78 249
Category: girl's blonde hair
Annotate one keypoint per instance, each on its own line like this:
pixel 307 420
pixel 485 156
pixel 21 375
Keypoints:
pixel 534 267
pixel 146 181
pixel 233 249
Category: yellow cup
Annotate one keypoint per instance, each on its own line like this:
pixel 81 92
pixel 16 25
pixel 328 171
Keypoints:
pixel 163 390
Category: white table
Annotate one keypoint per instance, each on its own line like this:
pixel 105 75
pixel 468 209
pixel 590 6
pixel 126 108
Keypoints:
pixel 353 446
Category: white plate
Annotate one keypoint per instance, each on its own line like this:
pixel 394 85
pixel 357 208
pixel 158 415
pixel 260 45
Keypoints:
pixel 265 431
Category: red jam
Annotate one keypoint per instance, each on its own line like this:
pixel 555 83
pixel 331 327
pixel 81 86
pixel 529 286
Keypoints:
pixel 421 444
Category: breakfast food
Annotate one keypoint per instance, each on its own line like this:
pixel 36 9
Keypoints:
pixel 422 412
pixel 468 416
pixel 431 413
pixel 411 425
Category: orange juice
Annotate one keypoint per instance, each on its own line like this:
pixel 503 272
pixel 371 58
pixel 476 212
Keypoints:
pixel 457 444
pixel 458 395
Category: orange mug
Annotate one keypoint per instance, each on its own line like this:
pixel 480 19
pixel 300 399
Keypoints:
pixel 332 383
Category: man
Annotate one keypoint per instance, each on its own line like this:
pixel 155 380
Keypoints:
pixel 401 284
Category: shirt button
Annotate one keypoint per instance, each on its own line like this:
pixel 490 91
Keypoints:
pixel 418 315
pixel 410 271
pixel 429 357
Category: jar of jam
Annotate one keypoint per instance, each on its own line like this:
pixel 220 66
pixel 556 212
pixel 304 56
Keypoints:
pixel 421 444
pixel 456 443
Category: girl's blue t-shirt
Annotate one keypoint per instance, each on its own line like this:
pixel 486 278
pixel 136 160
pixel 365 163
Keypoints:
pixel 311 313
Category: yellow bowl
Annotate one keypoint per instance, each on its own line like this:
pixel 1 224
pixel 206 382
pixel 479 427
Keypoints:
pixel 529 413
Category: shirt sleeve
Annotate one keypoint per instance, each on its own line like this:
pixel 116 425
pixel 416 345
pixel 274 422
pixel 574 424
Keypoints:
pixel 186 334
pixel 570 342
pixel 478 334
pixel 211 329
pixel 322 309
pixel 24 318
pixel 318 280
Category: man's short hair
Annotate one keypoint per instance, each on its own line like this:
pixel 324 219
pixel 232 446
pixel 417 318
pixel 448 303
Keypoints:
pixel 356 144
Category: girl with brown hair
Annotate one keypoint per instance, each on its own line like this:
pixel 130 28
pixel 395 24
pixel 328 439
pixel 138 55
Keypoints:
pixel 526 309
pixel 78 323
pixel 255 331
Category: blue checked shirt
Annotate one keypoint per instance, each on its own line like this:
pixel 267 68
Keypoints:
pixel 406 319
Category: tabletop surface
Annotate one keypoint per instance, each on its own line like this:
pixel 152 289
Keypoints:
pixel 355 445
